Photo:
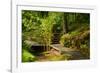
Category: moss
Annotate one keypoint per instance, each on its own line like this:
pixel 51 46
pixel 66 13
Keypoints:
pixel 27 56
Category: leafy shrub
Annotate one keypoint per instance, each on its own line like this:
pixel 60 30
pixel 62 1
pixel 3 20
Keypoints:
pixel 27 56
pixel 66 40
pixel 84 48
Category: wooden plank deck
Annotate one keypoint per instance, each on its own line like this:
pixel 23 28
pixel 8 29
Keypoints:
pixel 59 47
pixel 64 50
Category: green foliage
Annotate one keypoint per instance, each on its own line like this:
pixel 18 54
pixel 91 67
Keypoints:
pixel 65 40
pixel 27 56
pixel 77 40
pixel 30 20
pixel 40 26
pixel 25 45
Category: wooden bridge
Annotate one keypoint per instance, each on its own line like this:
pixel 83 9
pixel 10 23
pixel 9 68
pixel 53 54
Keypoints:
pixel 61 49
pixel 68 51
pixel 58 49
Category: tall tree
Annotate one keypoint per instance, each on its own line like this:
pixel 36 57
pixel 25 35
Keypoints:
pixel 65 22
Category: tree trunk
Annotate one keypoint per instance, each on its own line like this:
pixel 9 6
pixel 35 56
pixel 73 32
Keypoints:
pixel 65 23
